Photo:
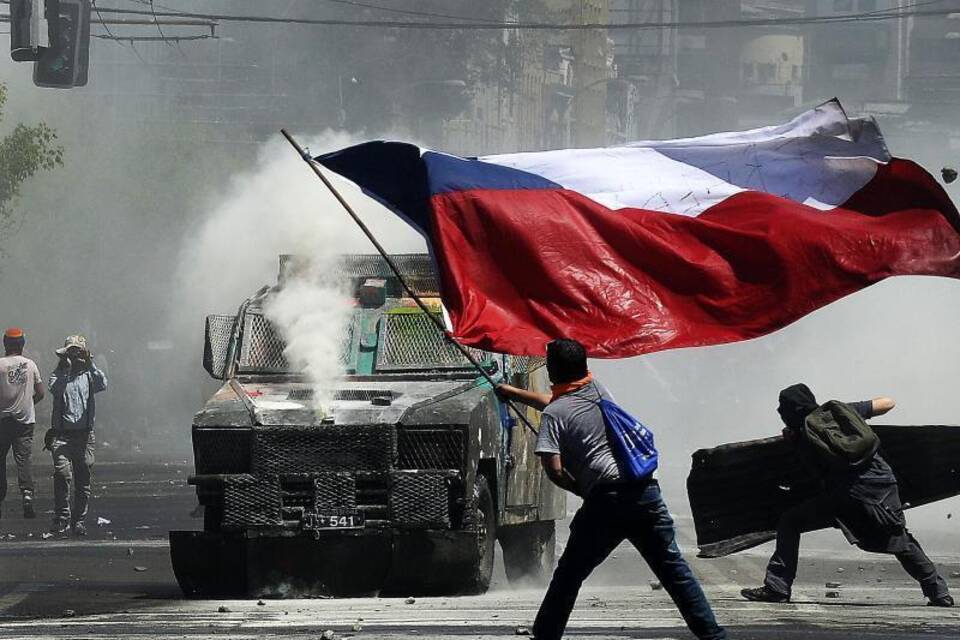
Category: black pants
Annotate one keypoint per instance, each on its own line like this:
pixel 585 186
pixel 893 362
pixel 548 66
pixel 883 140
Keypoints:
pixel 820 513
pixel 607 518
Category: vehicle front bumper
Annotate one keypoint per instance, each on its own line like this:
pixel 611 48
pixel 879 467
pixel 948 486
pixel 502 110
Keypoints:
pixel 258 564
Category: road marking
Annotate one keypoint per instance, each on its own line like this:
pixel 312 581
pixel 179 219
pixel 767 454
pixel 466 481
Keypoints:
pixel 19 592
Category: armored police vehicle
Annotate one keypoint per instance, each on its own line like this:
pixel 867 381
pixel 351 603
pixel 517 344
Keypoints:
pixel 401 486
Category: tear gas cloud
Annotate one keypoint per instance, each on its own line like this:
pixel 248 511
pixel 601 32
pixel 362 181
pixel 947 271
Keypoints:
pixel 311 313
pixel 280 207
pixel 276 207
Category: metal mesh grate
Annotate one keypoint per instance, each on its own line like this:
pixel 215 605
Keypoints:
pixel 298 491
pixel 221 450
pixel 263 347
pixel 412 341
pixel 438 448
pixel 249 501
pixel 526 364
pixel 216 343
pixel 420 498
pixel 347 395
pixel 280 450
pixel 334 491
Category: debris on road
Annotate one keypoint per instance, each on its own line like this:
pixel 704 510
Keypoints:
pixel 833 594
pixel 328 635
pixel 69 613
pixel 261 603
pixel 832 585
pixel 955 574
pixel 410 601
pixel 521 631
pixel 102 521
pixel 129 551
pixel 222 609
pixel 840 569
pixel 356 627
pixel 46 536
pixel 139 569
pixel 656 586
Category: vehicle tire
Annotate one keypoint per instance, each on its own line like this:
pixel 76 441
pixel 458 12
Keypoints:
pixel 529 552
pixel 482 516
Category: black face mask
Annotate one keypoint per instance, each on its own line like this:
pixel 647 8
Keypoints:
pixel 796 403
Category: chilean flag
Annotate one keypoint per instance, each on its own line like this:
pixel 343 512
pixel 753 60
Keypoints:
pixel 663 244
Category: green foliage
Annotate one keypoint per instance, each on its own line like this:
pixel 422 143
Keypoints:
pixel 23 152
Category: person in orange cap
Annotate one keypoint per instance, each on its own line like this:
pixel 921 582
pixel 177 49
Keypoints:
pixel 21 387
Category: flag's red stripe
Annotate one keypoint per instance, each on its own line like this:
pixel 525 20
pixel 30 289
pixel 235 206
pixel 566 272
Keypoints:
pixel 521 267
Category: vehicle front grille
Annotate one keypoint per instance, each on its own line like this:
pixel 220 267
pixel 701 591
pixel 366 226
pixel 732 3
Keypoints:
pixel 372 499
pixel 304 394
pixel 283 450
pixel 430 448
pixel 272 476
pixel 422 498
pixel 335 492
pixel 249 501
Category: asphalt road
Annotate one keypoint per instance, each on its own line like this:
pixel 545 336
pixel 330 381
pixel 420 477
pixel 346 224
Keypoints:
pixel 117 583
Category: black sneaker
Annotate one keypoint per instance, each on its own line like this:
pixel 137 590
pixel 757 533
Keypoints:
pixel 764 594
pixel 28 511
pixel 942 601
pixel 79 529
pixel 59 526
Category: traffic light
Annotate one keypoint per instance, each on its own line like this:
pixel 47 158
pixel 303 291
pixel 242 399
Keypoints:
pixel 64 63
pixel 28 33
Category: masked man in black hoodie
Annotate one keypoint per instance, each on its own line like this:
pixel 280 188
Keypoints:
pixel 863 502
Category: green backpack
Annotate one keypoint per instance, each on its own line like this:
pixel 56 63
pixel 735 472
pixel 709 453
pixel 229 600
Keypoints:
pixel 839 436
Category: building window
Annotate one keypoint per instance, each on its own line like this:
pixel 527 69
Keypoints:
pixel 766 72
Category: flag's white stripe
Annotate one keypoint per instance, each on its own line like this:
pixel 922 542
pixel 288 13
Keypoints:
pixel 820 158
pixel 621 177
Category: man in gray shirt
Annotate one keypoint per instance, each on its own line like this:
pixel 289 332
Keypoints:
pixel 576 456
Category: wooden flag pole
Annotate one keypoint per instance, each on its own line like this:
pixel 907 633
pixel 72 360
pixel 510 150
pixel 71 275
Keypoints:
pixel 396 272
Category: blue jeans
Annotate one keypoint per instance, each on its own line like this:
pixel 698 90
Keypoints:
pixel 608 517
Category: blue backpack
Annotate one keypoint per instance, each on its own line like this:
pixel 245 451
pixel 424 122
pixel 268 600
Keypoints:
pixel 632 443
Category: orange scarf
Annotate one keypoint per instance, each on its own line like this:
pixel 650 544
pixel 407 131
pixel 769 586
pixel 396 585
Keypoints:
pixel 566 387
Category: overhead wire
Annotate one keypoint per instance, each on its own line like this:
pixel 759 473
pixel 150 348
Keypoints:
pixel 865 17
pixel 905 11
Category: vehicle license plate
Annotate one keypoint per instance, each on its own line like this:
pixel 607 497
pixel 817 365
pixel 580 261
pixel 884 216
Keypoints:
pixel 318 521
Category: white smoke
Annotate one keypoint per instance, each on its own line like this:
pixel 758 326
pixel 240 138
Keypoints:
pixel 311 312
pixel 281 207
